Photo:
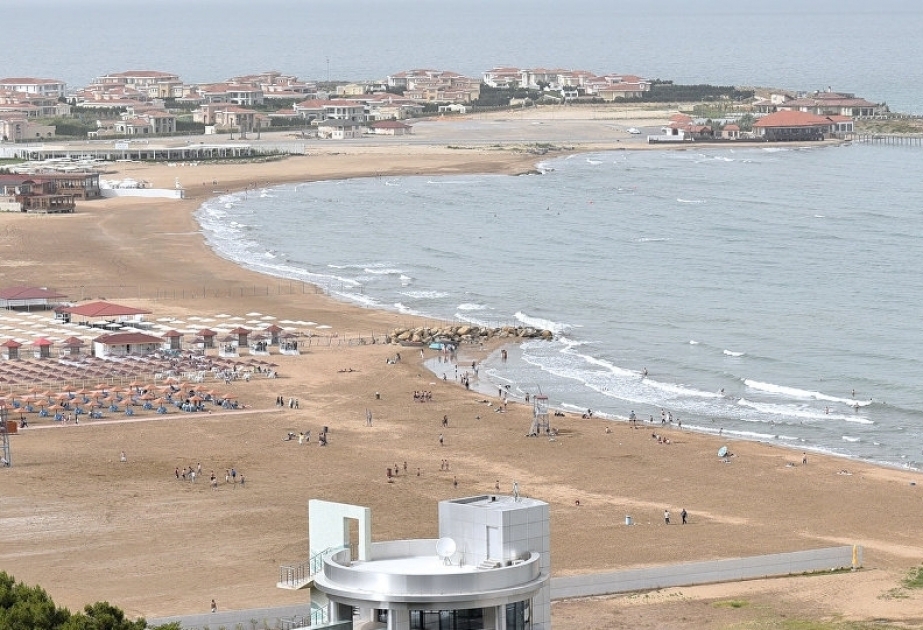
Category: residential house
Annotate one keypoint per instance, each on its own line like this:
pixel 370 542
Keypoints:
pixel 339 129
pixel 390 128
pixel 51 88
pixel 16 127
pixel 436 86
pixel 153 83
pixel 233 93
pixel 834 104
pixel 344 109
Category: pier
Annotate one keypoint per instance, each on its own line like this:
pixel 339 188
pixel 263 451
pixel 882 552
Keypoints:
pixel 892 139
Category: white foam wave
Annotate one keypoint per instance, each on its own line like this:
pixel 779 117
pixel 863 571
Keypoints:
pixel 849 438
pixel 425 295
pixel 470 306
pixel 644 239
pixel 693 342
pixel 406 310
pixel 382 271
pixel 804 394
pixel 540 323
pixel 681 200
pixel 593 162
pixel 731 353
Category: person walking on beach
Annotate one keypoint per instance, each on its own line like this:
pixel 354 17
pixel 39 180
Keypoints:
pixel 683 515
pixel 666 517
pixel 441 440
pixel 214 607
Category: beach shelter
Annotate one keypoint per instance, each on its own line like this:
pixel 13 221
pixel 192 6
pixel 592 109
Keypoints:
pixel 242 335
pixel 73 345
pixel 42 348
pixel 28 298
pixel 227 347
pixel 289 344
pixel 174 340
pixel 208 337
pixel 274 332
pixel 259 345
pixel 11 349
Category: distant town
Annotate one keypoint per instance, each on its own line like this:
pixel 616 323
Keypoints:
pixel 53 139
pixel 149 103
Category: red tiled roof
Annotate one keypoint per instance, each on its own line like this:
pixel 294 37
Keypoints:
pixel 791 119
pixel 29 293
pixel 127 338
pixel 103 309
pixel 11 343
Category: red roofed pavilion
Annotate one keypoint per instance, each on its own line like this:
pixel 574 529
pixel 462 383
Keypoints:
pixel 28 297
pixel 792 126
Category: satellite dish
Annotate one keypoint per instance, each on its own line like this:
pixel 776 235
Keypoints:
pixel 723 451
pixel 445 548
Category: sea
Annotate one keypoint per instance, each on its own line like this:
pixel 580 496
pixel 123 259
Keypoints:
pixel 768 294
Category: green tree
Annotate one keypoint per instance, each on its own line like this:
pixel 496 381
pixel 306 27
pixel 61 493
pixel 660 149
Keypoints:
pixel 30 608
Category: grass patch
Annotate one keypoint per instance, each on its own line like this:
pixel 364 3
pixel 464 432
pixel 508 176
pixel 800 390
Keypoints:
pixel 732 603
pixel 914 579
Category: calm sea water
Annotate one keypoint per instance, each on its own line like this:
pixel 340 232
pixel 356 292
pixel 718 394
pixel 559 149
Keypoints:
pixel 758 287
pixel 872 49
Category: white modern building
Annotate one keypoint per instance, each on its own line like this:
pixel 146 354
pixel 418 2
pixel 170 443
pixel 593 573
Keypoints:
pixel 488 570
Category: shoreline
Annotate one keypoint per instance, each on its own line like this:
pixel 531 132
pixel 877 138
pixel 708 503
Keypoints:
pixel 129 532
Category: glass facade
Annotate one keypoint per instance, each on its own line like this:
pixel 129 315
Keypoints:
pixel 470 619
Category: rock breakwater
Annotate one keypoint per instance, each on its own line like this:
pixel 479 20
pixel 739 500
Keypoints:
pixel 465 333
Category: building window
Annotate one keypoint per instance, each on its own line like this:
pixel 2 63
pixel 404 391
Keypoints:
pixel 468 619
pixel 518 616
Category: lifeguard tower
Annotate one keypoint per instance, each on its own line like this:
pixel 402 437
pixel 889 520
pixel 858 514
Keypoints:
pixel 540 422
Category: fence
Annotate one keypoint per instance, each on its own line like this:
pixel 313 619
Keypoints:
pixel 692 573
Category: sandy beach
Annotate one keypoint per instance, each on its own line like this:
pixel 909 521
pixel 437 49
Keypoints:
pixel 87 527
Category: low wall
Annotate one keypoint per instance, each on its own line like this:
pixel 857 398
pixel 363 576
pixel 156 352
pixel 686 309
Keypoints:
pixel 692 573
pixel 150 193
pixel 629 580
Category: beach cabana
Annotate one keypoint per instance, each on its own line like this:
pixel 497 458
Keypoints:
pixel 208 338
pixel 227 347
pixel 259 345
pixel 289 345
pixel 72 345
pixel 42 348
pixel 274 333
pixel 11 349
pixel 242 335
pixel 174 340
pixel 126 344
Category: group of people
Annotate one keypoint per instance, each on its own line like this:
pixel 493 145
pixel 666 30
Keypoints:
pixel 193 473
pixel 422 396
pixel 292 402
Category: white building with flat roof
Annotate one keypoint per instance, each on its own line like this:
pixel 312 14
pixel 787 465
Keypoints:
pixel 489 569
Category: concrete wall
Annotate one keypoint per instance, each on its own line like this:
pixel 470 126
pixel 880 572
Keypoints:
pixel 150 193
pixel 731 570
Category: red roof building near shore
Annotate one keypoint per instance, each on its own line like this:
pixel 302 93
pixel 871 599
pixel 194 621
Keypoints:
pixel 792 126
pixel 26 297
pixel 126 344
pixel 99 310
